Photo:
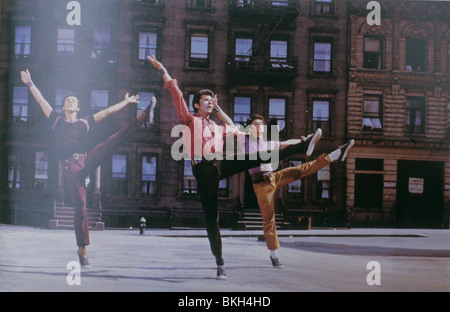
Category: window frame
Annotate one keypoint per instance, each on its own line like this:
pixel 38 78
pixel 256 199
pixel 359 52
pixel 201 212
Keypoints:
pixel 316 123
pixel 372 115
pixel 411 115
pixel 330 42
pixel 199 62
pixel 119 185
pixel 152 182
pixel 369 55
pixel 240 122
pixel 14 181
pixel 24 44
pixel 41 181
pixel 141 47
pixel 23 106
pixel 65 47
pixel 411 53
pixel 276 117
pixel 321 4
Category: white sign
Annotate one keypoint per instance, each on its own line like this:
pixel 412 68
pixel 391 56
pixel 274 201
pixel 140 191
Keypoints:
pixel 415 185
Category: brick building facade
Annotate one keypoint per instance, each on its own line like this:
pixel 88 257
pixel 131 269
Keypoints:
pixel 301 64
pixel 398 113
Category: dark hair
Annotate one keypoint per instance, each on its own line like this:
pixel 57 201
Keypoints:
pixel 198 95
pixel 71 95
pixel 254 117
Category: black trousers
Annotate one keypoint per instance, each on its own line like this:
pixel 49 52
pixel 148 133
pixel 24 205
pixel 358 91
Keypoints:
pixel 209 173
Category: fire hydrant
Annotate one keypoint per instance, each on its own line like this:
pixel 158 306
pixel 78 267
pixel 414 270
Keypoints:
pixel 142 226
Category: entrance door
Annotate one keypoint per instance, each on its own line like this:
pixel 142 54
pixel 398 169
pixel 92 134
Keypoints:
pixel 420 194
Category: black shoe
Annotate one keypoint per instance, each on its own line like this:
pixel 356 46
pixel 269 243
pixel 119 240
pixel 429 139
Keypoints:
pixel 312 141
pixel 84 263
pixel 276 263
pixel 345 148
pixel 221 273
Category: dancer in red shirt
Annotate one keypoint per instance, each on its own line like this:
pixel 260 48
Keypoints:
pixel 201 144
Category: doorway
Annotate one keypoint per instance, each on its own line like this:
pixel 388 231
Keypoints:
pixel 420 194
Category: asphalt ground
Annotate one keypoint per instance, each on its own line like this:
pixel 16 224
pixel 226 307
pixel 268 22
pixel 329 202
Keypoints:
pixel 179 262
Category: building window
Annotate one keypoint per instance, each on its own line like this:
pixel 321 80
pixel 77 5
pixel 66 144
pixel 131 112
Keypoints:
pixel 373 52
pixel 189 103
pixel 278 51
pixel 119 184
pixel 189 182
pixel 242 109
pixel 22 42
pixel 321 116
pixel 222 191
pixel 14 169
pixel 323 183
pixel 40 171
pixel 416 54
pixel 199 50
pixel 199 3
pixel 148 178
pixel 66 41
pixel 147 44
pixel 144 100
pixel 322 57
pixel 325 7
pixel 368 183
pixel 277 111
pixel 20 104
pixel 102 45
pixel 244 49
pixel 372 113
pixel 280 3
pixel 99 99
pixel 245 3
pixel 415 115
pixel 295 189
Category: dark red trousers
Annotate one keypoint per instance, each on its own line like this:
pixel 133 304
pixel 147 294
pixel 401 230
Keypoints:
pixel 76 170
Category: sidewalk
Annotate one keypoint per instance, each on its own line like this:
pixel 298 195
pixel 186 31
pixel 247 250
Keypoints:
pixel 163 260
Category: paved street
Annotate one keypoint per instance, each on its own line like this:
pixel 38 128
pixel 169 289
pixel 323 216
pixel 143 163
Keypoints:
pixel 325 260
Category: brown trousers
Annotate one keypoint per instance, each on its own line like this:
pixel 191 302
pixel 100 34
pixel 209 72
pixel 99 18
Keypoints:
pixel 265 192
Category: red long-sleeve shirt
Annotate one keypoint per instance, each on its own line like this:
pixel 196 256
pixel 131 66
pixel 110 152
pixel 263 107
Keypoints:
pixel 206 136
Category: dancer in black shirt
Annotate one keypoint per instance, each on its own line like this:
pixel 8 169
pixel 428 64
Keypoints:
pixel 71 137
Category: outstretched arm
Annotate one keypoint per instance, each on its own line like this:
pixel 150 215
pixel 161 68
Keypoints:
pixel 224 117
pixel 45 106
pixel 115 108
pixel 221 114
pixel 179 103
pixel 159 66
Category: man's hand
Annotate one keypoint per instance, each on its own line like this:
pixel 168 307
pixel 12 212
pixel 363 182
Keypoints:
pixel 25 76
pixel 215 101
pixel 132 99
pixel 152 59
